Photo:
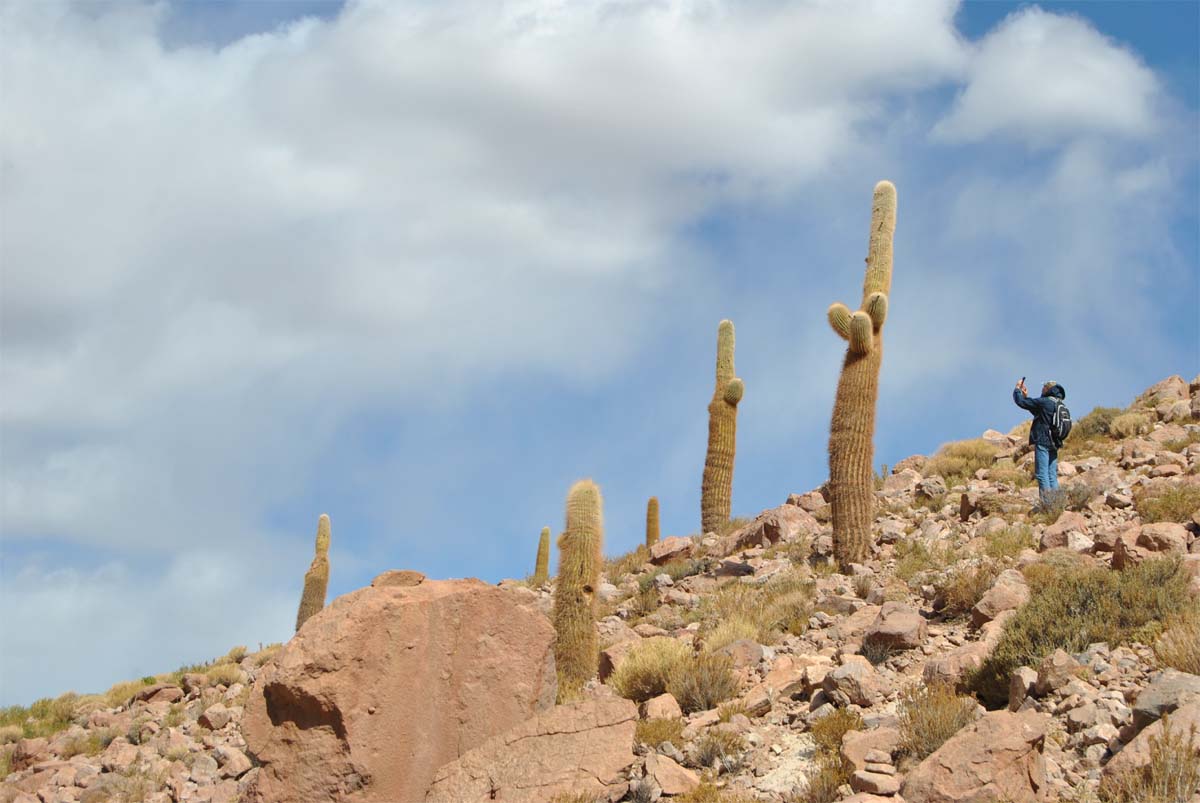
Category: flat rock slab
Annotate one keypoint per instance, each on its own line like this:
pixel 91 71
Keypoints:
pixel 578 748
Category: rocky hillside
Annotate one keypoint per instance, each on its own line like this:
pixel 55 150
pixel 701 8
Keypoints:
pixel 987 651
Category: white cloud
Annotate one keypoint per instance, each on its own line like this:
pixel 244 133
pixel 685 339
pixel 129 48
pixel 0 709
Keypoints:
pixel 1041 77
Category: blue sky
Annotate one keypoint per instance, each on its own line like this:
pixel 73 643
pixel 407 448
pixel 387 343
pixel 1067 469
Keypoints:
pixel 421 266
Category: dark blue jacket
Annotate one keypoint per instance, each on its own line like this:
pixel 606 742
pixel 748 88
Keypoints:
pixel 1042 408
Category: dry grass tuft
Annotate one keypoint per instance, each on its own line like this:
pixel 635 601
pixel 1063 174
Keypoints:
pixel 653 732
pixel 958 462
pixel 1173 503
pixel 1008 543
pixel 1179 645
pixel 645 671
pixel 828 731
pixel 929 715
pixel 1171 776
pixel 964 585
pixel 708 792
pixel 1130 425
pixel 721 749
pixel 618 568
pixel 702 682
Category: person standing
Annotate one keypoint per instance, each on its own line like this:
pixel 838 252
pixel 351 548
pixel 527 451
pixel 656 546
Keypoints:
pixel 1041 436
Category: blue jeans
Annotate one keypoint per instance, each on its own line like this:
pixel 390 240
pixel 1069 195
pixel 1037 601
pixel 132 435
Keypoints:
pixel 1045 465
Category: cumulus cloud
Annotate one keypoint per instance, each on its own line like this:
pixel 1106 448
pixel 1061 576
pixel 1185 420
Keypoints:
pixel 1040 77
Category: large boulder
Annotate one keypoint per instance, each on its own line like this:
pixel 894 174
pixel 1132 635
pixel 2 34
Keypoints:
pixel 1009 592
pixel 1168 690
pixel 784 523
pixel 577 748
pixel 897 627
pixel 1137 754
pixel 998 757
pixel 389 683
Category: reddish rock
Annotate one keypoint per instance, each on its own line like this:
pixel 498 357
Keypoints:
pixel 387 684
pixel 403 578
pixel 1055 536
pixel 784 523
pixel 1055 671
pixel 955 667
pixel 215 717
pixel 670 548
pixel 897 627
pixel 1009 592
pixel 664 706
pixel 165 692
pixel 670 777
pixel 998 757
pixel 579 748
pixel 857 745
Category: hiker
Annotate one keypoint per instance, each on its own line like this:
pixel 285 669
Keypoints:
pixel 1042 436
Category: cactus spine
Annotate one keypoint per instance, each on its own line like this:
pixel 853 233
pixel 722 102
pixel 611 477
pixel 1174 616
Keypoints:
pixel 541 570
pixel 851 482
pixel 574 613
pixel 652 522
pixel 316 579
pixel 717 487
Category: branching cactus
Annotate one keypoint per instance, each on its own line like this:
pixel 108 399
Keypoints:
pixel 316 579
pixel 717 487
pixel 851 482
pixel 652 522
pixel 541 570
pixel 574 614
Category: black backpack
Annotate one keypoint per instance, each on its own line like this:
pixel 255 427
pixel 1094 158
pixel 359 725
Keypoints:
pixel 1060 423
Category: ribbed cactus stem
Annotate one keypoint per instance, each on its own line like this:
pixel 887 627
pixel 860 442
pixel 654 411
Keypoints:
pixel 541 569
pixel 652 530
pixel 316 579
pixel 574 612
pixel 851 448
pixel 717 486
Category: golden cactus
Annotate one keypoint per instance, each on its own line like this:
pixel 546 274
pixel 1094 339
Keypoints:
pixel 574 614
pixel 316 579
pixel 652 522
pixel 541 570
pixel 717 487
pixel 851 479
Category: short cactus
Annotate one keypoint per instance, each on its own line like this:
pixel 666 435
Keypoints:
pixel 316 579
pixel 541 570
pixel 717 487
pixel 652 531
pixel 574 614
pixel 851 482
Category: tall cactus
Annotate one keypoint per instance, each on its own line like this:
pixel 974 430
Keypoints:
pixel 717 487
pixel 541 570
pixel 316 579
pixel 652 531
pixel 574 613
pixel 851 481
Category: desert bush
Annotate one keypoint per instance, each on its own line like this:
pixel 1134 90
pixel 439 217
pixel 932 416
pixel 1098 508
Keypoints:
pixel 653 732
pixel 573 797
pixel 1096 424
pixel 797 551
pixel 645 671
pixel 1179 645
pixel 782 605
pixel 958 462
pixel 1010 473
pixel 929 715
pixel 1171 503
pixel 1073 606
pixel 234 656
pixel 828 731
pixel 43 717
pixel 1179 444
pixel 5 763
pixel 729 710
pixel 964 585
pixel 702 682
pixel 914 557
pixel 618 568
pixel 829 774
pixel 1129 425
pixel 729 631
pixel 863 583
pixel 681 568
pixel 225 675
pixel 10 734
pixel 121 693
pixel 1171 776
pixel 719 745
pixel 645 601
pixel 708 792
pixel 1009 542
pixel 789 613
pixel 89 744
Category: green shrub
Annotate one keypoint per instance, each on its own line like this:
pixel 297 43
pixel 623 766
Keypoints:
pixel 964 585
pixel 828 731
pixel 645 671
pixel 1009 542
pixel 702 682
pixel 914 557
pixel 1072 606
pixel 1172 503
pixel 929 715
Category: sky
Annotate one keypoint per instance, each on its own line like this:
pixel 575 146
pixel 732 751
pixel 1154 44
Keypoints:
pixel 421 266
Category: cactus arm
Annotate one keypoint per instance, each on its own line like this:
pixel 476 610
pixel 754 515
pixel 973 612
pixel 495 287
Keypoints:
pixel 877 307
pixel 574 611
pixel 861 333
pixel 839 319
pixel 316 579
pixel 878 278
pixel 725 344
pixel 541 571
pixel 734 390
pixel 652 522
